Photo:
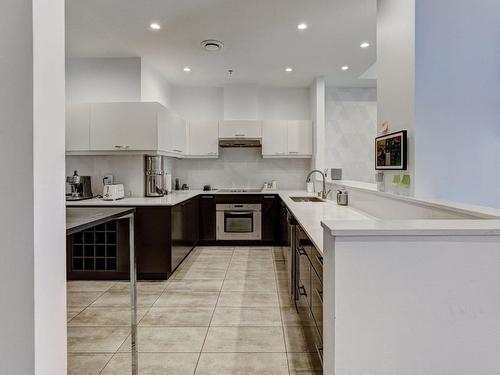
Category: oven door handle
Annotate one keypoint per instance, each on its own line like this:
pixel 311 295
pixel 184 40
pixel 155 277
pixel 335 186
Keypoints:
pixel 238 212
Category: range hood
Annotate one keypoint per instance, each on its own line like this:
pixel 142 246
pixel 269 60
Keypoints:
pixel 239 142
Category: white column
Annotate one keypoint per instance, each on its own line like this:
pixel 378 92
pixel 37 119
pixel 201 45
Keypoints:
pixel 32 225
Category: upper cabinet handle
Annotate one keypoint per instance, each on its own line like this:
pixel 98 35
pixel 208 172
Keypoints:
pixel 293 152
pixel 239 135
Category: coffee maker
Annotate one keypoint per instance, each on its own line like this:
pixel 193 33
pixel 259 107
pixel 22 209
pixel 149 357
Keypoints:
pixel 80 187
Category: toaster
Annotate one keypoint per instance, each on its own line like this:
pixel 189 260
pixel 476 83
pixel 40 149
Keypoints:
pixel 113 192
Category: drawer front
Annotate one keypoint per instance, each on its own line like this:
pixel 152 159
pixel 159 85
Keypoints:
pixel 317 301
pixel 316 260
pixel 304 274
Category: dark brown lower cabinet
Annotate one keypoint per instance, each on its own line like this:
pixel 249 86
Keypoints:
pixel 164 237
pixel 310 285
pixel 207 216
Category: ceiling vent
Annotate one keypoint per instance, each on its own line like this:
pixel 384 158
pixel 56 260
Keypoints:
pixel 212 45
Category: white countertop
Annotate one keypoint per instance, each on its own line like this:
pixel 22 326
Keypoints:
pixel 477 227
pixel 311 214
pixel 168 200
pixel 308 214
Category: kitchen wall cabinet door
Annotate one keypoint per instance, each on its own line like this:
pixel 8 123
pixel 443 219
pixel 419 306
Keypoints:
pixel 123 126
pixel 171 133
pixel 78 127
pixel 203 139
pixel 240 129
pixel 299 137
pixel 274 138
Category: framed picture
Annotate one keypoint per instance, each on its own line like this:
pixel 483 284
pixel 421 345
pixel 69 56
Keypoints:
pixel 390 151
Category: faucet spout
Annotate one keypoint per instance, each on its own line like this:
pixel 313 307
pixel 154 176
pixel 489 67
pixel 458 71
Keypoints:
pixel 324 193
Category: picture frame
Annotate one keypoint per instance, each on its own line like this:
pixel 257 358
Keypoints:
pixel 391 151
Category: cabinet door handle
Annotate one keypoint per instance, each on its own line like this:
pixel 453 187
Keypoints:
pixel 122 147
pixel 301 250
pixel 212 153
pixel 293 152
pixel 319 259
pixel 319 350
pixel 177 150
pixel 239 135
pixel 269 196
pixel 302 291
pixel 207 196
pixel 319 293
pixel 279 153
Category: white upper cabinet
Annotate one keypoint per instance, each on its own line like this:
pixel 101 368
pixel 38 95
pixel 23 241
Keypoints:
pixel 124 126
pixel 287 138
pixel 274 138
pixel 173 134
pixel 203 139
pixel 240 129
pixel 78 127
pixel 128 127
pixel 300 138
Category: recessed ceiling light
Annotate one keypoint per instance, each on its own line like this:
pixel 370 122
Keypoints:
pixel 345 67
pixel 302 26
pixel 187 69
pixel 364 45
pixel 155 26
pixel 288 70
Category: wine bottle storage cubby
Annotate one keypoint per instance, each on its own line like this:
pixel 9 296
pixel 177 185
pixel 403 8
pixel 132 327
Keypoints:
pixel 95 249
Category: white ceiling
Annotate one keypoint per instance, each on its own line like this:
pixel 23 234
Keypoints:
pixel 260 38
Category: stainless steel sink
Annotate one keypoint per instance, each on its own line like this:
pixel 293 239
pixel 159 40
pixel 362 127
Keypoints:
pixel 306 199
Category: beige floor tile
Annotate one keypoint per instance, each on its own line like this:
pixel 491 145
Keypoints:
pixel 249 285
pixel 281 275
pixel 120 298
pixel 244 339
pixel 300 339
pixel 168 340
pixel 256 316
pixel 204 266
pixel 250 274
pixel 280 266
pixel 283 285
pixel 96 339
pixel 81 299
pixel 210 285
pixel 87 364
pixel 285 299
pixel 178 317
pixel 105 316
pixel 242 364
pixel 249 266
pixel 292 317
pixel 304 362
pixel 248 299
pixel 73 311
pixel 153 364
pixel 142 286
pixel 197 274
pixel 187 299
pixel 89 286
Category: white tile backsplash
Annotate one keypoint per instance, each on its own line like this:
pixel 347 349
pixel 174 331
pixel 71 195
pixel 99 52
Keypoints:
pixel 351 128
pixel 127 169
pixel 240 167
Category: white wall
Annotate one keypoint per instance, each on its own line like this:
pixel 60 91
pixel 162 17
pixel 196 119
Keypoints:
pixel 396 73
pixel 351 128
pixel 198 103
pixel 241 102
pixel 242 168
pixel 317 93
pixel 276 103
pixel 458 101
pixel 103 80
pixel 32 226
pixel 154 86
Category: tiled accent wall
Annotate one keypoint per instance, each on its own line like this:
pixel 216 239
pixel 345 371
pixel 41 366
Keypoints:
pixel 351 128
pixel 238 167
